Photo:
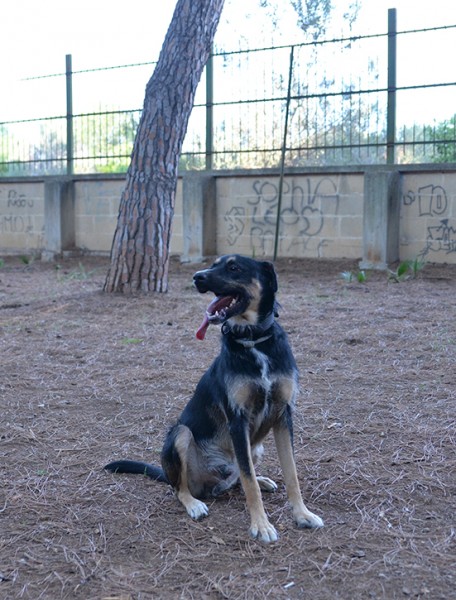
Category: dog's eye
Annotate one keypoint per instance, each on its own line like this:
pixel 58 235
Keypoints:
pixel 233 267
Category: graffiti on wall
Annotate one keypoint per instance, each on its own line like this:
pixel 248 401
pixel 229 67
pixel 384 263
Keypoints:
pixel 301 216
pixel 14 217
pixel 431 201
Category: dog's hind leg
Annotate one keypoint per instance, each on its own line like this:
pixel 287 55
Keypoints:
pixel 184 444
pixel 266 484
pixel 283 435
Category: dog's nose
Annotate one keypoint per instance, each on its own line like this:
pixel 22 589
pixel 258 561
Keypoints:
pixel 199 277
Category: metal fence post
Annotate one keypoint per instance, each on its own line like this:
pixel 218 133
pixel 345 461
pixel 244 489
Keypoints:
pixel 391 106
pixel 69 114
pixel 282 159
pixel 209 113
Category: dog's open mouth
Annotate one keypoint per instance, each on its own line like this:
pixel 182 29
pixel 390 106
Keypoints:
pixel 219 310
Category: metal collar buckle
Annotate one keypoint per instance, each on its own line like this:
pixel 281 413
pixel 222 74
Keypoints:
pixel 252 343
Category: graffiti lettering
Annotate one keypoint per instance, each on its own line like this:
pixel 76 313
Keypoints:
pixel 234 220
pixel 441 238
pixel 15 224
pixel 301 216
pixel 432 200
pixel 15 200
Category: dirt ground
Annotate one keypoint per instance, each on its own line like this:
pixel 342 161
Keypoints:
pixel 87 378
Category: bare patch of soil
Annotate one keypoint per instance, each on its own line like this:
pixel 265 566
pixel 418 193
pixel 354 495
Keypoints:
pixel 87 378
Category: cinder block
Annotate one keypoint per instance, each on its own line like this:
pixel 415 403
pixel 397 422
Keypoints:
pixel 352 227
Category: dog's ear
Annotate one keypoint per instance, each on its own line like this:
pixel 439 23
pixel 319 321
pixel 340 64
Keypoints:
pixel 270 275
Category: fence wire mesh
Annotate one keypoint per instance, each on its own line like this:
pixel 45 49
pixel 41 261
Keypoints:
pixel 338 109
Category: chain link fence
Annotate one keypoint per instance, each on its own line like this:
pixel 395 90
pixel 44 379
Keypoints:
pixel 343 102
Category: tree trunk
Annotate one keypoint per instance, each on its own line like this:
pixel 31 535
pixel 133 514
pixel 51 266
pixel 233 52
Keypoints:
pixel 140 249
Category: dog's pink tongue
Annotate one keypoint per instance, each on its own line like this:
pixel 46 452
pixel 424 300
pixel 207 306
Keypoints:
pixel 217 303
pixel 203 328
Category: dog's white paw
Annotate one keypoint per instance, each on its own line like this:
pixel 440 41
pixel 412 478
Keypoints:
pixel 266 484
pixel 308 520
pixel 263 531
pixel 197 509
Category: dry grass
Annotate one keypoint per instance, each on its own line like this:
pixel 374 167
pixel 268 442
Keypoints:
pixel 87 378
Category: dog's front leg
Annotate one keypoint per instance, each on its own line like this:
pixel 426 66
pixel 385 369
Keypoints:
pixel 260 527
pixel 283 435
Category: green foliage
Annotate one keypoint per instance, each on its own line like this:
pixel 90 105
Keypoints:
pixel 416 266
pixel 112 167
pixel 347 276
pixel 129 341
pixel 407 269
pixel 2 263
pixel 27 260
pixel 350 276
pixel 313 16
pixel 3 151
pixel 361 276
pixel 428 143
pixel 445 134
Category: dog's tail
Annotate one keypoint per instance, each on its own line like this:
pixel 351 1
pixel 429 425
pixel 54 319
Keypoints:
pixel 137 467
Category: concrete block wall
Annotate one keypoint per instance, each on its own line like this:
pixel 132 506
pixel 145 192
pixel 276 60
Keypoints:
pixel 21 216
pixel 428 216
pixel 321 215
pixel 96 204
pixel 96 209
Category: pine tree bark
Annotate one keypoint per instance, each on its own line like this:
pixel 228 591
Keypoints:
pixel 140 249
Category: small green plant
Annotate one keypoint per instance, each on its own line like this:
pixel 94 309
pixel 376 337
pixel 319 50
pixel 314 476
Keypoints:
pixel 361 276
pixel 416 266
pixel 350 276
pixel 2 263
pixel 132 341
pixel 347 276
pixel 406 269
pixel 79 274
pixel 27 260
pixel 401 273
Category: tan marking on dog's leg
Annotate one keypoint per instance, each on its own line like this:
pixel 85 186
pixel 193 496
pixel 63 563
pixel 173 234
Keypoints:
pixel 302 515
pixel 260 527
pixel 195 508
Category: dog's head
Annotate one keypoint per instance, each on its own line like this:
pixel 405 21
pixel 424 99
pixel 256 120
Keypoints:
pixel 244 291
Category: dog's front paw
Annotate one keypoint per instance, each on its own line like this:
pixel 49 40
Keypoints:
pixel 266 484
pixel 263 531
pixel 308 520
pixel 197 509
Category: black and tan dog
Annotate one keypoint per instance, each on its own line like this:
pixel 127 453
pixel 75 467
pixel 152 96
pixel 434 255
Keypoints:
pixel 248 390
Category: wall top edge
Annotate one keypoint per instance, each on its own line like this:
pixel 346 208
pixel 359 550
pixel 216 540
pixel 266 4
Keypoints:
pixel 275 172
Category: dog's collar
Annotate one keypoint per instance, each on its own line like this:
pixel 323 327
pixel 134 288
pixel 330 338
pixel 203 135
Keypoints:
pixel 252 343
pixel 250 335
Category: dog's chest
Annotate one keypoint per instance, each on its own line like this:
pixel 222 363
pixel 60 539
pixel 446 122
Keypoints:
pixel 255 387
pixel 263 365
pixel 260 405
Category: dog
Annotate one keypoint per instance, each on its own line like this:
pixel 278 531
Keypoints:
pixel 249 389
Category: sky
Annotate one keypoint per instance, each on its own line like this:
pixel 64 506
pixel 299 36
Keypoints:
pixel 36 36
